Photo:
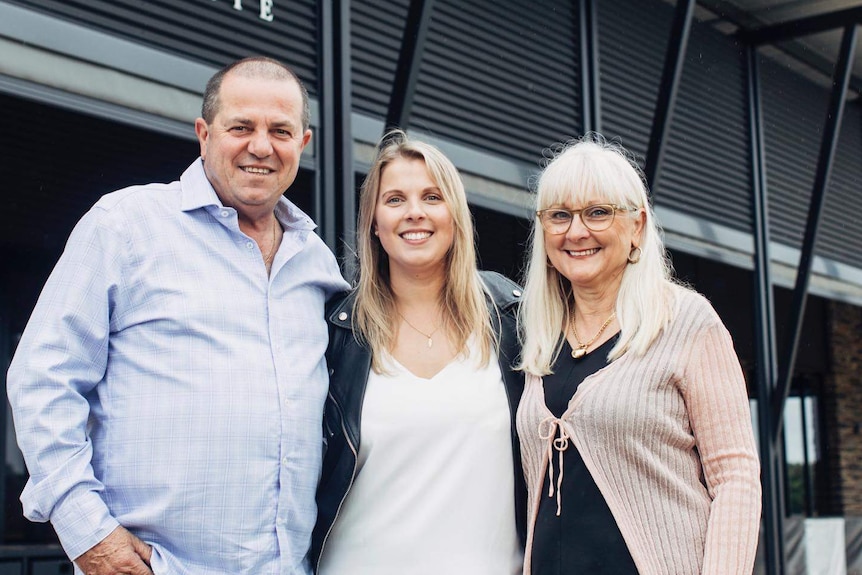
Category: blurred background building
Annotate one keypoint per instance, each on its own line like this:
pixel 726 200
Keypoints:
pixel 744 113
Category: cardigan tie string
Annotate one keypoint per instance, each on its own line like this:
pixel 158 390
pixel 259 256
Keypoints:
pixel 549 428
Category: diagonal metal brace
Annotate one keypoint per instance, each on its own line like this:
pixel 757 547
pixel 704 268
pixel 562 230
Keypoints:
pixel 840 83
pixel 673 64
pixel 409 59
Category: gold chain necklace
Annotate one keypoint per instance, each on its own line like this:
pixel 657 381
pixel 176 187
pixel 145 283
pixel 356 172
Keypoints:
pixel 428 335
pixel 268 256
pixel 581 350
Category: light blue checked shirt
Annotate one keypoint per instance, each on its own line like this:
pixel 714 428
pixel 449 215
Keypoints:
pixel 166 383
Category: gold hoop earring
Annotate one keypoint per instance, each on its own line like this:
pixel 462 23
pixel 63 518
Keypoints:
pixel 634 255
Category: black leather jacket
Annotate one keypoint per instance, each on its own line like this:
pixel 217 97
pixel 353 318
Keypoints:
pixel 349 364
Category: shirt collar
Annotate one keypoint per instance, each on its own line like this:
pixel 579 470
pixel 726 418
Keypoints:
pixel 197 192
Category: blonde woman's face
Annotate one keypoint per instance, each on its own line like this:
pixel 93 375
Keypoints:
pixel 412 220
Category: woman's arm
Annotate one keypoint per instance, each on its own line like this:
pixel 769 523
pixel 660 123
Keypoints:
pixel 717 403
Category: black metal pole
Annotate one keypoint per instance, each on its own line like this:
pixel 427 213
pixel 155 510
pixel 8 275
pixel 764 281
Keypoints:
pixel 409 59
pixel 591 108
pixel 5 359
pixel 840 82
pixel 673 64
pixel 764 319
pixel 806 460
pixel 335 200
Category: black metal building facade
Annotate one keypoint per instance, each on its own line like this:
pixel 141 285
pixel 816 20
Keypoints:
pixel 755 159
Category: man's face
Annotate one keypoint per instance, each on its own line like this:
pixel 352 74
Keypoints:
pixel 252 147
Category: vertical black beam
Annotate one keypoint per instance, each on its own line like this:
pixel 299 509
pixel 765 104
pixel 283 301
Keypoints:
pixel 673 64
pixel 766 364
pixel 806 460
pixel 335 201
pixel 409 59
pixel 591 108
pixel 5 359
pixel 840 82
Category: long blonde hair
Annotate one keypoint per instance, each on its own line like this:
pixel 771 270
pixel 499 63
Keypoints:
pixel 581 171
pixel 462 299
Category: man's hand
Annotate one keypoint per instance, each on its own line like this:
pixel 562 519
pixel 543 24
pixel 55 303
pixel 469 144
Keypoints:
pixel 118 553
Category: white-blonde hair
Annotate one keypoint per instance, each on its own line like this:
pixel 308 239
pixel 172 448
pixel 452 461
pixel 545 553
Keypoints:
pixel 579 173
pixel 462 300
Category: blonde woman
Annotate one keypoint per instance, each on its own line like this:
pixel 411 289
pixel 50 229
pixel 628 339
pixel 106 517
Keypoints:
pixel 635 432
pixel 421 469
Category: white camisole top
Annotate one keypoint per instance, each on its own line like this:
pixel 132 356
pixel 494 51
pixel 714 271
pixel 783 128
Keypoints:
pixel 434 492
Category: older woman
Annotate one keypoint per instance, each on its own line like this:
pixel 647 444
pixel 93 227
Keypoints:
pixel 420 474
pixel 635 431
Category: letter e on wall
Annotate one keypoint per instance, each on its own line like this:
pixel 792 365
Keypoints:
pixel 266 10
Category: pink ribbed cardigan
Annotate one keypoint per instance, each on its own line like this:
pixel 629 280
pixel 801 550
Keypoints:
pixel 667 437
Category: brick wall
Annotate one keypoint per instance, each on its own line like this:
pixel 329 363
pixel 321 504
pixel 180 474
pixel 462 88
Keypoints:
pixel 842 407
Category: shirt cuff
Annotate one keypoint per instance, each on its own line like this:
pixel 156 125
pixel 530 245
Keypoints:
pixel 82 520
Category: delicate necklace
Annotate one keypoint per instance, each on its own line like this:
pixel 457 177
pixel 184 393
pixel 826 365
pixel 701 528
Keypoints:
pixel 271 252
pixel 428 335
pixel 581 350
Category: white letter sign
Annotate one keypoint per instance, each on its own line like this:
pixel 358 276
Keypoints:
pixel 266 10
pixel 266 7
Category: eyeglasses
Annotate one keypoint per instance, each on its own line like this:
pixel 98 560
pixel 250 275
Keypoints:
pixel 596 218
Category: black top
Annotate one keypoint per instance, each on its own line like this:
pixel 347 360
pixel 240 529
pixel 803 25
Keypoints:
pixel 585 537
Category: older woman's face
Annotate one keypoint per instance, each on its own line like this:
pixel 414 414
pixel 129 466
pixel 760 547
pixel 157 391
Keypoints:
pixel 593 260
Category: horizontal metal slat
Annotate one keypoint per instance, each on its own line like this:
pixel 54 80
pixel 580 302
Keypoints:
pixel 216 35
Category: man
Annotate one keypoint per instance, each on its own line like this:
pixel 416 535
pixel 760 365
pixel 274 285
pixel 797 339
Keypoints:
pixel 168 389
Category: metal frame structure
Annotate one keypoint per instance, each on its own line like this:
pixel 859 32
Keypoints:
pixel 591 108
pixel 774 380
pixel 829 143
pixel 765 338
pixel 409 60
pixel 668 89
pixel 335 200
pixel 5 359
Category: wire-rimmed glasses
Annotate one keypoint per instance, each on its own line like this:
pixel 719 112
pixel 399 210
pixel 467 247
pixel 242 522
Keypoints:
pixel 595 218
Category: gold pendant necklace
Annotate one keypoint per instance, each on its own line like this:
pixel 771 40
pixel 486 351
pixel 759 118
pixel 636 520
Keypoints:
pixel 428 335
pixel 581 350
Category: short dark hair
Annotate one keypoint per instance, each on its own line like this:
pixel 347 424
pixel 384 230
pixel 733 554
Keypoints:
pixel 253 67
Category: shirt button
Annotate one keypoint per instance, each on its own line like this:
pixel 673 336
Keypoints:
pixel 342 316
pixel 249 245
pixel 225 213
pixel 516 292
pixel 284 460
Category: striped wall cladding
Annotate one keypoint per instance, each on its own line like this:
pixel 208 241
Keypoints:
pixel 706 171
pixel 504 78
pixel 206 31
pixel 499 75
pixel 706 161
pixel 794 114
